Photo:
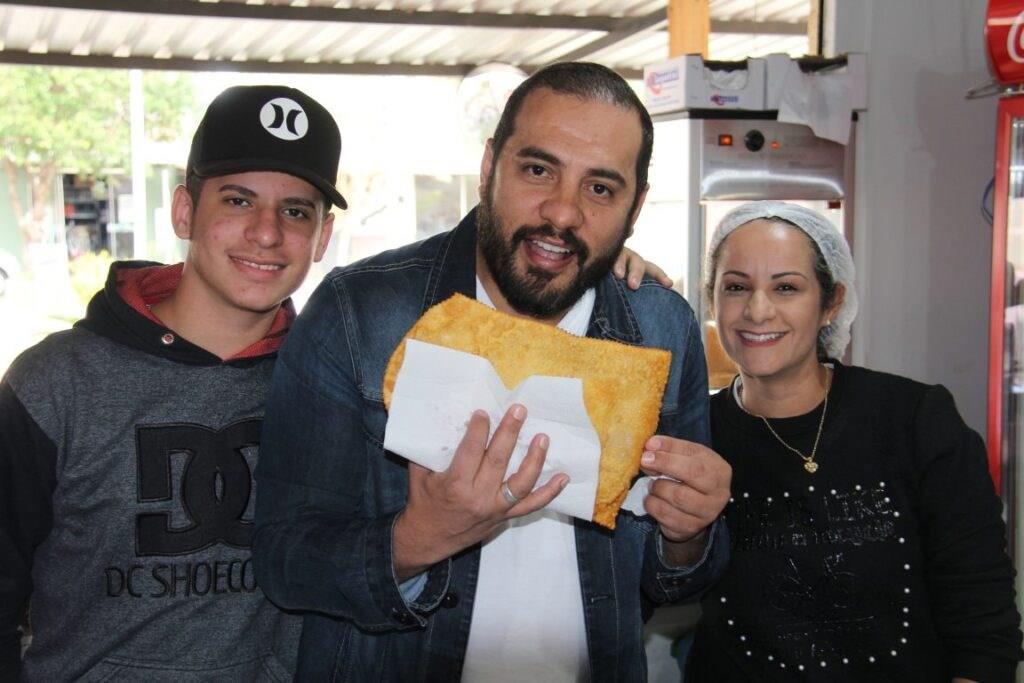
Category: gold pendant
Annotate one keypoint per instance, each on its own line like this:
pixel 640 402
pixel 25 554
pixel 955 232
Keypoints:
pixel 810 466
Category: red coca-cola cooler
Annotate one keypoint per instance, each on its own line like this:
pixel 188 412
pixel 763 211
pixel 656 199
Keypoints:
pixel 1004 31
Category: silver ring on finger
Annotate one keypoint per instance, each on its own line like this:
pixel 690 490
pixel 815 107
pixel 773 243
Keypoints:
pixel 507 494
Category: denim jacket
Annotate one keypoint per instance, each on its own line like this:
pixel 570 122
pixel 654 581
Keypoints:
pixel 329 494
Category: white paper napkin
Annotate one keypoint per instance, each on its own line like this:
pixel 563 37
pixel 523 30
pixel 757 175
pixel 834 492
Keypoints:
pixel 437 390
pixel 824 104
pixel 635 498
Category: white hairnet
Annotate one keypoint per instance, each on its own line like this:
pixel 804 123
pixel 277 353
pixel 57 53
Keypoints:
pixel 835 337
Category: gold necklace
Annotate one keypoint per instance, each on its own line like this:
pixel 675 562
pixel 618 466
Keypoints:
pixel 809 463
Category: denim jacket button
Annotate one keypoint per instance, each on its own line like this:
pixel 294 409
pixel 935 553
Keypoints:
pixel 400 615
pixel 450 600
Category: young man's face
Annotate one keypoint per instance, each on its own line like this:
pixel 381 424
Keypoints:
pixel 556 203
pixel 253 236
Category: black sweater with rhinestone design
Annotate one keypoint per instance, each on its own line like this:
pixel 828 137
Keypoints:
pixel 888 563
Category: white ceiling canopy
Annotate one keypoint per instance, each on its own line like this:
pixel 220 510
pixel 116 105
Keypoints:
pixel 430 37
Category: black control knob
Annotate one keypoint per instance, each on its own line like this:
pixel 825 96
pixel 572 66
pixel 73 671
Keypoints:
pixel 754 140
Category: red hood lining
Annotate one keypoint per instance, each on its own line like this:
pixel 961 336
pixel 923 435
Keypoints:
pixel 141 288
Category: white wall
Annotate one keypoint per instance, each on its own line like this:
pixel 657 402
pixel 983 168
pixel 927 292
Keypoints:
pixel 925 155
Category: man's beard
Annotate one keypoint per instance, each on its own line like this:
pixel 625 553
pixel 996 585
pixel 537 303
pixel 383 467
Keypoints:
pixel 532 293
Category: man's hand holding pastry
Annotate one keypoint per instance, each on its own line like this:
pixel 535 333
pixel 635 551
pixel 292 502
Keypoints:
pixel 452 510
pixel 690 496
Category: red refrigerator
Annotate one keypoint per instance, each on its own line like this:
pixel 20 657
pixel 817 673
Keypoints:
pixel 1004 31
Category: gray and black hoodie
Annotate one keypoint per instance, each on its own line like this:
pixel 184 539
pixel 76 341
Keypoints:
pixel 126 500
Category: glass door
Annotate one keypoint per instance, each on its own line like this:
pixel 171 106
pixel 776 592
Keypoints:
pixel 1006 333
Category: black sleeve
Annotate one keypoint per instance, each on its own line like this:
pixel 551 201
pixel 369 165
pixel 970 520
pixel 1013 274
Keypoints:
pixel 969 575
pixel 27 480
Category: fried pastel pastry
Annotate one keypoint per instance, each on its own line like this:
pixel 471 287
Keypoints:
pixel 622 384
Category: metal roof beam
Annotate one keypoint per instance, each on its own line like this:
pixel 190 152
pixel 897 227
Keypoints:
pixel 186 64
pixel 240 10
pixel 628 28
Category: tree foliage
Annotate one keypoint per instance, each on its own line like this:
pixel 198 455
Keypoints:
pixel 169 97
pixel 68 120
pixel 77 119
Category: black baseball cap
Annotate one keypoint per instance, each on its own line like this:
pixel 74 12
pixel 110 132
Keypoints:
pixel 268 128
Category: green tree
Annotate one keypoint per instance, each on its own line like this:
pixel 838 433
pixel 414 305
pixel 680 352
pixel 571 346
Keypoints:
pixel 66 120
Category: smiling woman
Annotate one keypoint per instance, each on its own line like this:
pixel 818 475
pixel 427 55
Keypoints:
pixel 771 301
pixel 866 534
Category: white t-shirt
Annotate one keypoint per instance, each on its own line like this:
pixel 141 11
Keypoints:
pixel 528 610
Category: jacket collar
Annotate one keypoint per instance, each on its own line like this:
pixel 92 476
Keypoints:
pixel 454 271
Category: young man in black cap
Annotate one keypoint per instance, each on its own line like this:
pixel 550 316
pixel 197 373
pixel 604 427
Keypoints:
pixel 127 443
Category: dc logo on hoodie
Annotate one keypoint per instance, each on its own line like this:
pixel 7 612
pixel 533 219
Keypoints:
pixel 214 486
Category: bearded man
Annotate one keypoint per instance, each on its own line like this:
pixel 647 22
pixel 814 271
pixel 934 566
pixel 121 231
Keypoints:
pixel 406 574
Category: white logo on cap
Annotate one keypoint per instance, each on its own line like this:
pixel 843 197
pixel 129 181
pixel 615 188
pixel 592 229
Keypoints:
pixel 284 118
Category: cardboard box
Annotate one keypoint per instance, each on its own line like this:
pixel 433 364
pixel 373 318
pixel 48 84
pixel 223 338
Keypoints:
pixel 686 82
